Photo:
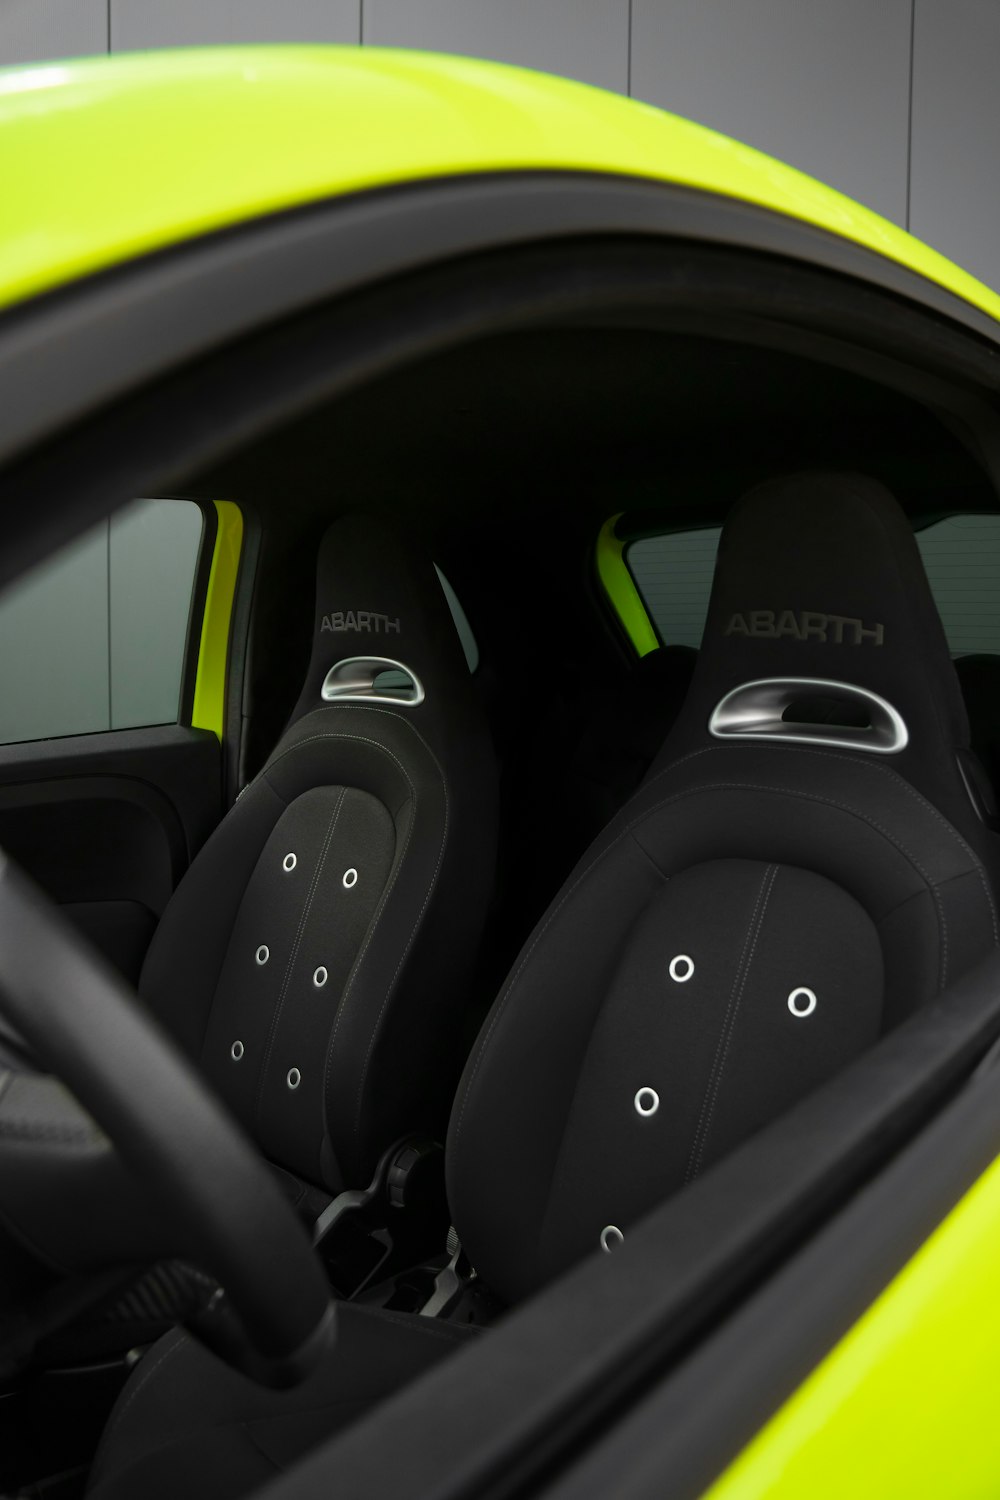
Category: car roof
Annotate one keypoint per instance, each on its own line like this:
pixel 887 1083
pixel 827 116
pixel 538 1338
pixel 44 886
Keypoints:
pixel 107 159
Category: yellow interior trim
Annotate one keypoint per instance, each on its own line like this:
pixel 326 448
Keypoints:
pixel 619 586
pixel 209 707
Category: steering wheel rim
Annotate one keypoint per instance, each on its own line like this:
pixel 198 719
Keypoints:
pixel 274 1318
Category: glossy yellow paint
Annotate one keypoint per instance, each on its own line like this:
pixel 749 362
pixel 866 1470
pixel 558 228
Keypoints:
pixel 619 586
pixel 905 1407
pixel 209 708
pixel 106 159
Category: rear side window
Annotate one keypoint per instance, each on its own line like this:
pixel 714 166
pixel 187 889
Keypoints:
pixel 673 573
pixel 465 635
pixel 962 559
pixel 96 638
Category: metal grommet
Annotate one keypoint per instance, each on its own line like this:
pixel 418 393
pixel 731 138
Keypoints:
pixel 293 1078
pixel 288 863
pixel 236 1051
pixel 611 1236
pixel 647 1102
pixel 263 954
pixel 320 977
pixel 808 1002
pixel 350 878
pixel 681 968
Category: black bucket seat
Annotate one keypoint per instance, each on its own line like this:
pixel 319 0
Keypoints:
pixel 802 869
pixel 316 957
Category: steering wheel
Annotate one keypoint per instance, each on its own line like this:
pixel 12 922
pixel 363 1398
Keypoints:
pixel 126 1156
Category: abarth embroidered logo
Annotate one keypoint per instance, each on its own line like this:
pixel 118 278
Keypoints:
pixel 366 620
pixel 805 625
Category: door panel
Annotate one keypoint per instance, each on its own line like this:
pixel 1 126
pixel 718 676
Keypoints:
pixel 108 823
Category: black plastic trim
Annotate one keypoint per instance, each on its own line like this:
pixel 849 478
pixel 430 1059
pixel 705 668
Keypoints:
pixel 238 664
pixel 158 312
pixel 196 612
pixel 162 761
pixel 688 1431
pixel 149 439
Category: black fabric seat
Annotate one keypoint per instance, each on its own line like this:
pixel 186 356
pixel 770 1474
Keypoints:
pixel 315 958
pixel 786 886
pixel 622 738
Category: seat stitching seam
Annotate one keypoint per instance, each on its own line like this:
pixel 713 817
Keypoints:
pixel 352 977
pixel 402 958
pixel 649 858
pixel 754 927
pixel 246 1428
pixel 369 935
pixel 877 769
pixel 358 739
pixel 512 983
pixel 932 885
pixel 641 818
pixel 286 980
pixel 936 813
pixel 853 812
pixel 735 993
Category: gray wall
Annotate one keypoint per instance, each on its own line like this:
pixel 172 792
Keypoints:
pixel 95 638
pixel 823 84
pixel 32 29
pixel 196 23
pixel 893 101
pixel 585 39
pixel 954 193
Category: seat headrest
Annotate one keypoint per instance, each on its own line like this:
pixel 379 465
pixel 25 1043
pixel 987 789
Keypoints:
pixel 819 577
pixel 379 602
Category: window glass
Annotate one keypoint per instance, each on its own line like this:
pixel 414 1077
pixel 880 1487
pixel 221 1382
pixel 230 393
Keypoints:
pixel 95 638
pixel 962 558
pixel 673 573
pixel 465 635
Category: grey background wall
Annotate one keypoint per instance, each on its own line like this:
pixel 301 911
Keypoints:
pixel 893 101
pixel 95 639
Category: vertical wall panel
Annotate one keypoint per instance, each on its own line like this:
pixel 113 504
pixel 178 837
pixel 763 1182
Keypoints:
pixel 195 23
pixel 153 556
pixel 54 645
pixel 34 30
pixel 823 86
pixel 585 39
pixel 954 188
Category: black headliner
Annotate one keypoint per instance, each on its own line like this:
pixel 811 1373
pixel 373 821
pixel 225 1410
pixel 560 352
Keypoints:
pixel 583 422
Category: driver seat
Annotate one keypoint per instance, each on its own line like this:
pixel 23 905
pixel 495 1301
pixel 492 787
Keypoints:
pixel 803 868
pixel 315 959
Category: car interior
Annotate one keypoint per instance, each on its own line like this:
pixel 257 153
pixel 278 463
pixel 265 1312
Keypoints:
pixel 508 957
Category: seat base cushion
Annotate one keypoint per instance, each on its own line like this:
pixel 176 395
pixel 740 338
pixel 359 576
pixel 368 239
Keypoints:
pixel 185 1424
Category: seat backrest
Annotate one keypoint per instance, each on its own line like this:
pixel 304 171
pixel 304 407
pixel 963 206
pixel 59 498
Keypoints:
pixel 624 732
pixel 315 957
pixel 802 868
